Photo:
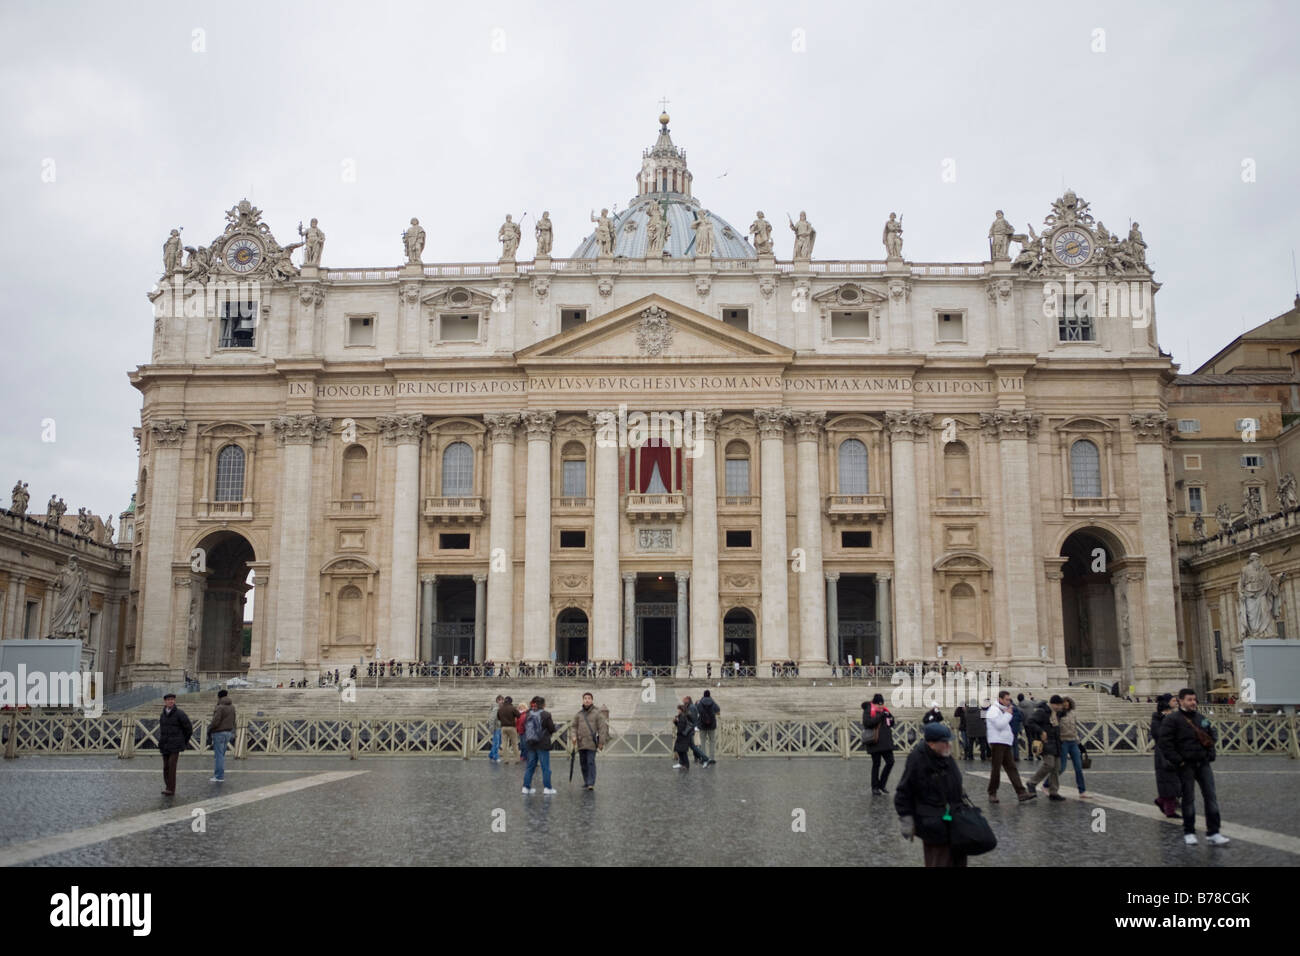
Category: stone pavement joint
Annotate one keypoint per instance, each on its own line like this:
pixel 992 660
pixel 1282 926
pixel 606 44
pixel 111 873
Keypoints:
pixel 76 839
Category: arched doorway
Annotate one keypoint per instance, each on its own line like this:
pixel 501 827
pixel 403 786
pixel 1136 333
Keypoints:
pixel 739 643
pixel 571 636
pixel 1088 610
pixel 223 602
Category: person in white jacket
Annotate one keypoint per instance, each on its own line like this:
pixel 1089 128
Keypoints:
pixel 998 720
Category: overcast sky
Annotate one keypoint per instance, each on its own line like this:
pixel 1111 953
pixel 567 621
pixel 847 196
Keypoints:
pixel 120 122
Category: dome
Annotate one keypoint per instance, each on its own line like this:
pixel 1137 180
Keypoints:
pixel 631 239
pixel 664 179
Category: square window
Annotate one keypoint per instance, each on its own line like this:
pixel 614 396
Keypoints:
pixel 458 328
pixel 740 539
pixel 1189 424
pixel 453 542
pixel 850 325
pixel 736 318
pixel 361 330
pixel 1075 317
pixel 572 318
pixel 950 327
pixel 1192 462
pixel 855 539
pixel 573 539
pixel 1250 461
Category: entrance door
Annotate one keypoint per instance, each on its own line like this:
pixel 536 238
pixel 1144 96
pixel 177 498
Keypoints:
pixel 739 644
pixel 655 640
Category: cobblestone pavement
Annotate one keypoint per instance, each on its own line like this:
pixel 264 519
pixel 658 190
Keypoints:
pixel 742 812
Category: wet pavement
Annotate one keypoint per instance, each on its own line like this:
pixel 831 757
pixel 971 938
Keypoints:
pixel 422 811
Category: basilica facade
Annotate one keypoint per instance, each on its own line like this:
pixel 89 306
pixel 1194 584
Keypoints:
pixel 673 447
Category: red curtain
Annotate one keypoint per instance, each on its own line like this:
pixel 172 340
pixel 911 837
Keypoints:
pixel 653 453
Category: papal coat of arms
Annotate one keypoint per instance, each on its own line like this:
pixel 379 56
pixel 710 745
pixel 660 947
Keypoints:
pixel 654 334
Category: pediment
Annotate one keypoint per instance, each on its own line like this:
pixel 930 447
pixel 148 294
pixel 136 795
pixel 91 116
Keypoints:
pixel 654 329
pixel 850 295
pixel 457 298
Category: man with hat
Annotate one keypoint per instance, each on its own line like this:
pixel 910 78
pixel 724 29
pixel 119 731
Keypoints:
pixel 930 787
pixel 174 732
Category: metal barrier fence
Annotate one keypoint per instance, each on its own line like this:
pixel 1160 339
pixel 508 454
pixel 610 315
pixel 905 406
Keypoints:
pixel 25 732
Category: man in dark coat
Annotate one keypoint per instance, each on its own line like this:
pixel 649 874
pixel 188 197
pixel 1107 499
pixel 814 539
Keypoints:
pixel 930 788
pixel 174 732
pixel 1168 787
pixel 1186 740
pixel 1044 731
pixel 538 727
pixel 976 732
pixel 878 722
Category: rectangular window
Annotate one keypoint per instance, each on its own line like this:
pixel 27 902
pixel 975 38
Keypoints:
pixel 1250 461
pixel 1194 505
pixel 572 318
pixel 573 539
pixel 458 328
pixel 1074 318
pixel 736 318
pixel 740 539
pixel 238 325
pixel 361 330
pixel 737 477
pixel 1189 424
pixel 850 325
pixel 1192 462
pixel 453 542
pixel 950 327
pixel 855 539
pixel 575 479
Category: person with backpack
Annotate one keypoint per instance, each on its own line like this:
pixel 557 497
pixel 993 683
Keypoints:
pixel 708 710
pixel 1187 741
pixel 590 732
pixel 694 714
pixel 682 743
pixel 538 727
pixel 878 733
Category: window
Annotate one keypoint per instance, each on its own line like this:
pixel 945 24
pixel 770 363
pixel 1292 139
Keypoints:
pixel 1074 318
pixel 850 325
pixel 1250 461
pixel 350 614
pixel 230 474
pixel 453 542
pixel 238 321
pixel 354 473
pixel 655 468
pixel 1192 462
pixel 361 330
pixel 1194 501
pixel 457 470
pixel 573 539
pixel 956 469
pixel 458 328
pixel 572 318
pixel 740 539
pixel 1085 469
pixel 853 468
pixel 736 318
pixel 855 539
pixel 950 327
pixel 1189 424
pixel 574 474
pixel 736 475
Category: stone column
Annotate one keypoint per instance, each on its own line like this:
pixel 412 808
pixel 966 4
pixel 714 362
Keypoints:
pixel 904 428
pixel 775 610
pixel 605 543
pixel 812 593
pixel 683 633
pixel 480 615
pixel 1162 665
pixel 704 541
pixel 886 617
pixel 405 433
pixel 1014 429
pixel 629 617
pixel 428 615
pixel 501 537
pixel 833 649
pixel 537 537
pixel 18 610
pixel 160 514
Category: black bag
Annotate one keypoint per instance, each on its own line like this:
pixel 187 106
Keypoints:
pixel 969 832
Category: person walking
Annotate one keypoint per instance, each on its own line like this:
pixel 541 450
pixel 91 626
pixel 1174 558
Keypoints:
pixel 685 729
pixel 174 732
pixel 507 714
pixel 693 712
pixel 220 729
pixel 998 720
pixel 709 711
pixel 590 731
pixel 495 720
pixel 976 733
pixel 1187 740
pixel 538 727
pixel 1017 725
pixel 1043 726
pixel 933 715
pixel 1070 744
pixel 931 786
pixel 878 731
pixel 959 721
pixel 519 732
pixel 1168 787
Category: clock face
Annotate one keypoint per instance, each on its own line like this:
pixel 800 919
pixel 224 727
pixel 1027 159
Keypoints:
pixel 1072 246
pixel 243 255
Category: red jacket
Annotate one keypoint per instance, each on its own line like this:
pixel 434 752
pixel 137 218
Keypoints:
pixel 519 722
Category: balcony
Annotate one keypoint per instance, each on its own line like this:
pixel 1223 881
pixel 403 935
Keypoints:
pixel 224 510
pixel 568 505
pixel 453 510
pixel 738 504
pixel 854 507
pixel 958 503
pixel 1073 505
pixel 662 507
